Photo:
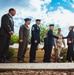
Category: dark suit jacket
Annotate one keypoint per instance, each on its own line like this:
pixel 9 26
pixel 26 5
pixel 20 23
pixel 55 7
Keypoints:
pixel 45 43
pixel 70 37
pixel 50 37
pixel 7 25
pixel 35 33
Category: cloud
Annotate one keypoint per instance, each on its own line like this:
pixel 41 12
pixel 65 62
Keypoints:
pixel 72 5
pixel 61 16
pixel 47 1
pixel 38 9
pixel 14 3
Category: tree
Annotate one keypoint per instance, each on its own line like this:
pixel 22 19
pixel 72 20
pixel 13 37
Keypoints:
pixel 55 30
pixel 43 31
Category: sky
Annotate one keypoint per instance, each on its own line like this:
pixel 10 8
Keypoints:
pixel 59 12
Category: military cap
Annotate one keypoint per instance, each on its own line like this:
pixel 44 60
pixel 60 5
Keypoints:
pixel 51 25
pixel 27 19
pixel 38 19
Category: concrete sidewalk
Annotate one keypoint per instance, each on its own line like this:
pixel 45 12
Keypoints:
pixel 37 66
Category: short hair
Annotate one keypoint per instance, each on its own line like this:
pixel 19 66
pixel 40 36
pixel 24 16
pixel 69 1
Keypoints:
pixel 11 9
pixel 72 27
pixel 59 28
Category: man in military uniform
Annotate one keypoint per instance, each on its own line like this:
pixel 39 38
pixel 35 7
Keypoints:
pixel 49 44
pixel 58 46
pixel 6 30
pixel 23 39
pixel 35 40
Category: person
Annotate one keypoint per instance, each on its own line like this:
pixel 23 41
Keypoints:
pixel 23 40
pixel 70 43
pixel 45 48
pixel 45 43
pixel 50 43
pixel 58 46
pixel 7 29
pixel 35 40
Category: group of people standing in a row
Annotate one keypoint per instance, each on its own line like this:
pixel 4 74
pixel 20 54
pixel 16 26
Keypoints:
pixel 23 42
pixel 7 29
pixel 50 41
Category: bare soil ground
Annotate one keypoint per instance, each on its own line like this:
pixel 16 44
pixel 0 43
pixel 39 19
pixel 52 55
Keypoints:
pixel 38 72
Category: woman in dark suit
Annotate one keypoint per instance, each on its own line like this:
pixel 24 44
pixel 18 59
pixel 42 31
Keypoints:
pixel 70 45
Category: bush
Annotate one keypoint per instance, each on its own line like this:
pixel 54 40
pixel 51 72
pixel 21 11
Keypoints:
pixel 63 54
pixel 15 38
pixel 43 32
pixel 11 53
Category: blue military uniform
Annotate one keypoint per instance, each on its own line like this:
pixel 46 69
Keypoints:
pixel 35 37
pixel 50 43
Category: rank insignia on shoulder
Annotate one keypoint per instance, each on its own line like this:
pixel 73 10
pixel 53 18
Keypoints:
pixel 33 28
pixel 73 30
pixel 37 28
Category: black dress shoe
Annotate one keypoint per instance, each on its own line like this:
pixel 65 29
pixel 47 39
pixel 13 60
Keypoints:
pixel 21 61
pixel 33 61
pixel 46 61
pixel 2 61
pixel 69 61
pixel 6 61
